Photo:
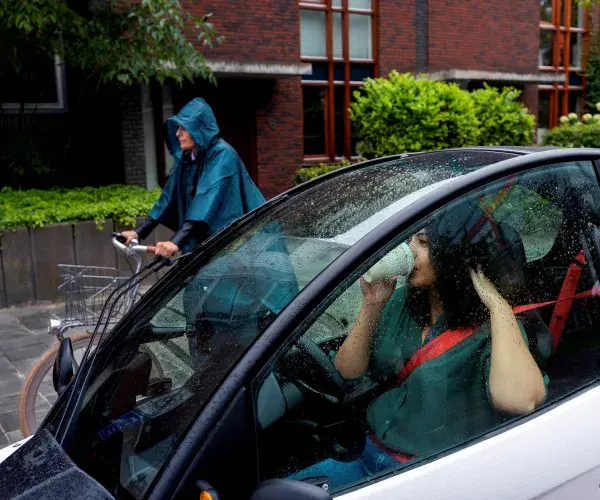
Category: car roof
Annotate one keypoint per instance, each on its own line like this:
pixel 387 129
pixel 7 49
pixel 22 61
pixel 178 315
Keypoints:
pixel 354 234
pixel 516 150
pixel 522 150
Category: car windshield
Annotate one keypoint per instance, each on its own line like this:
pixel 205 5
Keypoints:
pixel 152 379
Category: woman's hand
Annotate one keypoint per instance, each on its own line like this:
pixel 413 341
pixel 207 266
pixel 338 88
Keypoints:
pixel 129 235
pixel 166 248
pixel 515 382
pixel 352 359
pixel 488 293
pixel 378 293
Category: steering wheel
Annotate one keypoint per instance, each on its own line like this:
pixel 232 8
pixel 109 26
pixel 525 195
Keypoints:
pixel 332 385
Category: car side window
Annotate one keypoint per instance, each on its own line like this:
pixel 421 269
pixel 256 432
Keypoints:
pixel 479 315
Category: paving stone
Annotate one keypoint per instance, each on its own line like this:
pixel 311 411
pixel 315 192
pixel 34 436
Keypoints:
pixel 36 321
pixel 9 403
pixel 14 436
pixel 31 351
pixel 19 340
pixel 9 421
pixel 5 366
pixel 3 440
pixel 10 383
pixel 16 330
pixel 23 366
pixel 8 322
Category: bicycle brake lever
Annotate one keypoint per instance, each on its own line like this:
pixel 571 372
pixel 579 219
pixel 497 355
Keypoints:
pixel 119 237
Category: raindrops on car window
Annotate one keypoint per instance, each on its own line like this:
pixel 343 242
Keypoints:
pixel 511 264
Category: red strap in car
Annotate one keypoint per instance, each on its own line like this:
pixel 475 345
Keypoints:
pixel 451 338
pixel 563 306
pixel 433 349
pixel 399 457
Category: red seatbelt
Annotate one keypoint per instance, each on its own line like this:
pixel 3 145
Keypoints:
pixel 451 338
pixel 563 307
pixel 400 457
pixel 433 349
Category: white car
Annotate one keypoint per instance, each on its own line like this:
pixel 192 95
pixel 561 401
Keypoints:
pixel 221 382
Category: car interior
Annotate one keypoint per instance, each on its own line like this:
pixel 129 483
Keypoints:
pixel 307 412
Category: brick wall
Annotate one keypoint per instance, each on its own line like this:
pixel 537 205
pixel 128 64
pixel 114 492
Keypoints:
pixel 265 30
pixel 133 137
pixel 397 36
pixel 279 135
pixel 483 34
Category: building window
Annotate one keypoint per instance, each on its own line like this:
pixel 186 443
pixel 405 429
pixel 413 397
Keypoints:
pixel 39 87
pixel 338 37
pixel 563 40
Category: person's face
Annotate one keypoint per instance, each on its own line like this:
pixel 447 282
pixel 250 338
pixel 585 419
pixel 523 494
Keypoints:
pixel 423 275
pixel 186 141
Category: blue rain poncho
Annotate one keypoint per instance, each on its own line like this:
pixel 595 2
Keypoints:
pixel 215 188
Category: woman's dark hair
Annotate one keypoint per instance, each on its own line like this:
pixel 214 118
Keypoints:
pixel 462 239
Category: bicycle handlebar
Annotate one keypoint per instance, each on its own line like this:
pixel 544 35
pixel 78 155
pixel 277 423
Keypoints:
pixel 133 248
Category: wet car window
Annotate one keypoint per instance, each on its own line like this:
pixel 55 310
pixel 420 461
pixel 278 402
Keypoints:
pixel 392 372
pixel 156 379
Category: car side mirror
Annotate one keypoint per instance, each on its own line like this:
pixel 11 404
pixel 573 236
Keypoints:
pixel 276 489
pixel 64 366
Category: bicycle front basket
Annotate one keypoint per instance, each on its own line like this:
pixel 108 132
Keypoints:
pixel 86 289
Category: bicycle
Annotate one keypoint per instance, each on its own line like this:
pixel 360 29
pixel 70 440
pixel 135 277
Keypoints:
pixel 86 289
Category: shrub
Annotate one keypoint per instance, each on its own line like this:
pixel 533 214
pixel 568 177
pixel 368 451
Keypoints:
pixel 502 119
pixel 308 173
pixel 574 136
pixel 573 133
pixel 36 208
pixel 405 113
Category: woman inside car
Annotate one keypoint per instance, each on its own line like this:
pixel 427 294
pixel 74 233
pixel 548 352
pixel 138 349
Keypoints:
pixel 465 276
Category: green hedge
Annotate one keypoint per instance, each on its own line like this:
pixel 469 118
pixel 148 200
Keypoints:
pixel 36 208
pixel 308 173
pixel 575 133
pixel 404 113
pixel 501 119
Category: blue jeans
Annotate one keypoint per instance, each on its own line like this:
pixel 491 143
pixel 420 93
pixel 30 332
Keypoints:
pixel 372 461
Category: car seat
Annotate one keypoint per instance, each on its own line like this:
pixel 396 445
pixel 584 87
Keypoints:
pixel 513 262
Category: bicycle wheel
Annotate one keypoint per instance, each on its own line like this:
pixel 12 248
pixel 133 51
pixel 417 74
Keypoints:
pixel 38 394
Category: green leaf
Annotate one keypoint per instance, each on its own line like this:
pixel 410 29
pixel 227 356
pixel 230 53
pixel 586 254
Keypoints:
pixel 109 37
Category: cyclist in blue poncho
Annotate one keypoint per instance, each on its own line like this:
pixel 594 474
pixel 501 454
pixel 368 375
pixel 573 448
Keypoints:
pixel 207 189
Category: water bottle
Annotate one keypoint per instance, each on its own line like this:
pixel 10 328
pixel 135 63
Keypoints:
pixel 400 261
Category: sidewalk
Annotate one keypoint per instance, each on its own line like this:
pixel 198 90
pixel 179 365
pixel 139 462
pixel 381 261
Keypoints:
pixel 23 339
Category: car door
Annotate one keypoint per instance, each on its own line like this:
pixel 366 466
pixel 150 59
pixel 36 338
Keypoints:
pixel 543 217
pixel 152 404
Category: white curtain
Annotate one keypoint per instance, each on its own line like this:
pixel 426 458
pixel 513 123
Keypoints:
pixel 312 34
pixel 359 4
pixel 337 35
pixel 361 39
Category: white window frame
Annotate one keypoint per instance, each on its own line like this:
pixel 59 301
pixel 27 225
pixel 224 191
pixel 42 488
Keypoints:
pixel 59 106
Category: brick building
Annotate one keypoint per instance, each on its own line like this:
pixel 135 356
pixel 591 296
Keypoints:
pixel 287 69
